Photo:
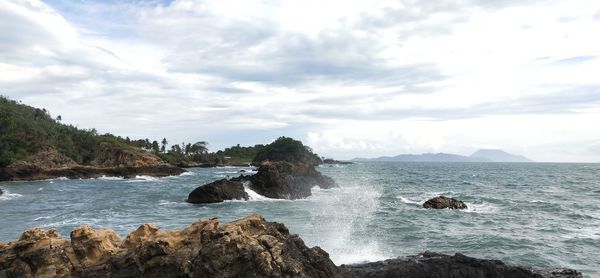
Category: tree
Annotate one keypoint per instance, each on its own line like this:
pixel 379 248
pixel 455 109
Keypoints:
pixel 155 147
pixel 287 149
pixel 164 145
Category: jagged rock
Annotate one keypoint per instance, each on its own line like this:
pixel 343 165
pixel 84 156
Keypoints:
pixel 442 202
pixel 285 180
pixel 249 247
pixel 218 191
pixel 431 264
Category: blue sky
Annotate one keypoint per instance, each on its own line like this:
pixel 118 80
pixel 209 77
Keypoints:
pixel 349 78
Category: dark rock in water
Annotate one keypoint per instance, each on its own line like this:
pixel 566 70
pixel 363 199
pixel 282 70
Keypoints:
pixel 242 171
pixel 431 264
pixel 285 180
pixel 218 191
pixel 1 192
pixel 442 202
pixel 249 247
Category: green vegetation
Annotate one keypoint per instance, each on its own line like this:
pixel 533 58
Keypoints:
pixel 287 149
pixel 24 130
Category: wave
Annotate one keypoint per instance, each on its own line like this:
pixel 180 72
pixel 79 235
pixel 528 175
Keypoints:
pixel 484 208
pixel 109 178
pixel 9 196
pixel 42 218
pixel 188 173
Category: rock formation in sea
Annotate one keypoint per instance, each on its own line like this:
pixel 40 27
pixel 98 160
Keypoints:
pixel 218 191
pixel 442 202
pixel 1 192
pixel 277 180
pixel 286 180
pixel 249 247
pixel 429 264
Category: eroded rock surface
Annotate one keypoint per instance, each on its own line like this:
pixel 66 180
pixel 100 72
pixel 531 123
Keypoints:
pixel 442 202
pixel 249 247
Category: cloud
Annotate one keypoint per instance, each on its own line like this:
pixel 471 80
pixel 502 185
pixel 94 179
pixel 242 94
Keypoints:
pixel 335 73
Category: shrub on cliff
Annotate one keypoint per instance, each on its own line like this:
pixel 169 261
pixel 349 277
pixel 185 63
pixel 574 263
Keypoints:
pixel 287 149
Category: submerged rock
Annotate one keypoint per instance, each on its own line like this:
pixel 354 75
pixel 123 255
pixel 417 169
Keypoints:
pixel 218 191
pixel 431 264
pixel 249 247
pixel 442 202
pixel 1 192
pixel 286 180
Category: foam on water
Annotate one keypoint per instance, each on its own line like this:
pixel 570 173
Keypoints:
pixel 253 196
pixel 109 178
pixel 9 196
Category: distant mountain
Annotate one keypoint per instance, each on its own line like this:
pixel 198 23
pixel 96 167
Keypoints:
pixel 496 155
pixel 478 156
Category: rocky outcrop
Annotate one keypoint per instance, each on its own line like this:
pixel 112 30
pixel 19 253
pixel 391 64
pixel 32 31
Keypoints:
pixel 442 202
pixel 333 161
pixel 430 264
pixel 218 191
pixel 285 180
pixel 277 180
pixel 86 172
pixel 250 247
pixel 110 160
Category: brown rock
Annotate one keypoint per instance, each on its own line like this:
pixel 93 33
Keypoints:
pixel 249 247
pixel 442 202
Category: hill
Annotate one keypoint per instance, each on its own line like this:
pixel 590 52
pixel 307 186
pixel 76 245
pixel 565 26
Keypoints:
pixel 33 145
pixel 478 156
pixel 496 155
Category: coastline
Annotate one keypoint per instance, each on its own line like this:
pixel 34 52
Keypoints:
pixel 247 247
pixel 32 173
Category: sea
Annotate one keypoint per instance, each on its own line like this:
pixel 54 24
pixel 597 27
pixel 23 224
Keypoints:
pixel 537 214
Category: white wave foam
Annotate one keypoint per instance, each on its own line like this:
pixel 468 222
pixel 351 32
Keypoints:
pixel 484 208
pixel 188 173
pixel 409 201
pixel 361 254
pixel 253 196
pixel 42 218
pixel 9 196
pixel 108 178
pixel 168 203
pixel 146 178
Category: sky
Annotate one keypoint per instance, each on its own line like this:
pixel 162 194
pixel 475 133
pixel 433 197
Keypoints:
pixel 348 78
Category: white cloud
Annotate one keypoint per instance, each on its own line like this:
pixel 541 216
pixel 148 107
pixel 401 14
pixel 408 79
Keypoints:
pixel 353 78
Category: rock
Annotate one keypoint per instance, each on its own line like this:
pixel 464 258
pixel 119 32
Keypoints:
pixel 250 247
pixel 286 180
pixel 28 172
pixel 1 192
pixel 218 191
pixel 442 202
pixel 431 264
pixel 333 161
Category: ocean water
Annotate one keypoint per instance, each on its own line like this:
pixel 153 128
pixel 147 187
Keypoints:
pixel 537 214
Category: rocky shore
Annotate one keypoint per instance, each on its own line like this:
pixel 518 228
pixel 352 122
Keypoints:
pixel 86 172
pixel 48 163
pixel 249 247
pixel 277 180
